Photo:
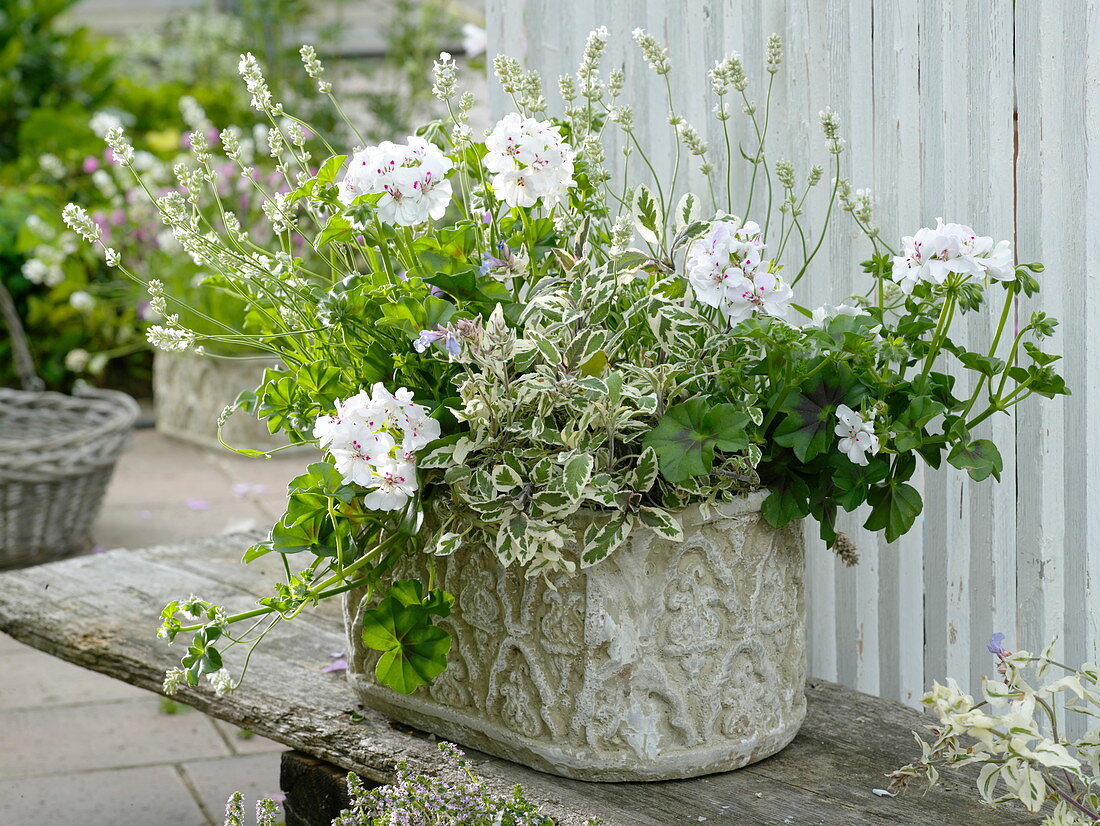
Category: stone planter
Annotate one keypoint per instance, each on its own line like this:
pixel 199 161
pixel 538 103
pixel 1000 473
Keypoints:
pixel 191 391
pixel 666 660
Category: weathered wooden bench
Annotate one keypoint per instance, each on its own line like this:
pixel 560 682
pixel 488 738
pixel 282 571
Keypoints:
pixel 101 611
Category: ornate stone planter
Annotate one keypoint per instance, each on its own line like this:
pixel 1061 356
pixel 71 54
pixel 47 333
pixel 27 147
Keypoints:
pixel 666 660
pixel 191 391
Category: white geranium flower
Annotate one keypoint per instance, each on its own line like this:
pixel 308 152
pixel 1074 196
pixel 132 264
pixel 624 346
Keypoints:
pixel 724 270
pixel 420 431
pixel 999 264
pixel 530 162
pixel 930 255
pixel 358 450
pixel 410 177
pixel 374 437
pixel 393 483
pixel 857 435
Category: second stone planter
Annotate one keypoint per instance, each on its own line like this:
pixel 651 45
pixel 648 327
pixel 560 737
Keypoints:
pixel 665 660
pixel 191 391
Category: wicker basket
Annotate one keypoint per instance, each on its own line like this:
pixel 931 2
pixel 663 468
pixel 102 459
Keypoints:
pixel 57 453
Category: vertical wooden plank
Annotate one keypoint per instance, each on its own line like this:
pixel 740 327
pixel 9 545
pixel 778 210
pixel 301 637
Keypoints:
pixel 897 158
pixel 992 524
pixel 804 83
pixel 1083 492
pixel 849 65
pixel 1058 68
pixel 1049 212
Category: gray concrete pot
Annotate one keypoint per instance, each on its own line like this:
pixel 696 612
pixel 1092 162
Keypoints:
pixel 191 391
pixel 666 660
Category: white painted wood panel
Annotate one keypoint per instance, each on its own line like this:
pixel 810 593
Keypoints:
pixel 928 92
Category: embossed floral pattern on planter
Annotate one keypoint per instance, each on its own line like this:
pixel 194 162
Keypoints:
pixel 667 660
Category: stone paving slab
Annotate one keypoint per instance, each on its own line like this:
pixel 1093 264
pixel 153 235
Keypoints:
pixel 255 776
pixel 147 796
pixel 166 491
pixel 10 646
pixel 32 680
pixel 46 741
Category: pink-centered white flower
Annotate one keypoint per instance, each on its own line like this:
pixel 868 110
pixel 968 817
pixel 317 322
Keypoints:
pixel 931 255
pixel 373 438
pixel 410 177
pixel 724 270
pixel 393 484
pixel 857 435
pixel 530 162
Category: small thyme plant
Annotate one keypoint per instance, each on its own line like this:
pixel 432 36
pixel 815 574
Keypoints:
pixel 419 800
pixel 1017 734
pixel 485 336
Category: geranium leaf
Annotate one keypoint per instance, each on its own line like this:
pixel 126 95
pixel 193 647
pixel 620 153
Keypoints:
pixel 811 414
pixel 980 458
pixel 414 651
pixel 684 440
pixel 894 508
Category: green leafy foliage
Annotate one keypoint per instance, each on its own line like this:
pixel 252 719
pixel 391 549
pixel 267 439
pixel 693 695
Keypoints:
pixel 687 436
pixel 414 649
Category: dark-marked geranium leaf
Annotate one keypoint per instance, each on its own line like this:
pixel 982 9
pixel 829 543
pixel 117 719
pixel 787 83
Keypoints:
pixel 787 501
pixel 980 458
pixel 685 439
pixel 808 428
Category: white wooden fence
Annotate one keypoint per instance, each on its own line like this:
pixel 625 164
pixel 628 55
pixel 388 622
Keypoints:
pixel 986 112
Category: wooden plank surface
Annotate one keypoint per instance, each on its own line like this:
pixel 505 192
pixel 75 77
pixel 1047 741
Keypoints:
pixel 100 612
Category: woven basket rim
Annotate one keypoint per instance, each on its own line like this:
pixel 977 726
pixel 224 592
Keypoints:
pixel 122 412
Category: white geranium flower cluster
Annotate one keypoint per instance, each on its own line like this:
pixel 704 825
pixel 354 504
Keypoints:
pixel 857 435
pixel 931 255
pixel 374 438
pixel 724 269
pixel 530 162
pixel 411 177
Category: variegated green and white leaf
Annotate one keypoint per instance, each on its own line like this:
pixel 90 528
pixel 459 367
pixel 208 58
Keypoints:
pixel 644 473
pixel 547 348
pixel 646 214
pixel 686 212
pixel 441 456
pixel 542 472
pixel 506 478
pixel 987 780
pixel 513 544
pixel 577 472
pixel 662 523
pixel 1031 787
pixel 602 538
pixel 552 504
pixel 447 543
